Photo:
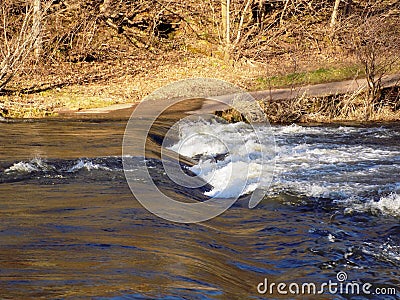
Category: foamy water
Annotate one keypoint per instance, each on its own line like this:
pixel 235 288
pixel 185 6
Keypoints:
pixel 233 158
pixel 71 227
pixel 33 165
pixel 316 162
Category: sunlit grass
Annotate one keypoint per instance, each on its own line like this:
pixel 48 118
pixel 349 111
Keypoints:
pixel 321 75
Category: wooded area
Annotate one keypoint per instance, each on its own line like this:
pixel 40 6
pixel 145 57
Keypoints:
pixel 53 43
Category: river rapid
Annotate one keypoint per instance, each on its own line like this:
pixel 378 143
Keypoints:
pixel 71 228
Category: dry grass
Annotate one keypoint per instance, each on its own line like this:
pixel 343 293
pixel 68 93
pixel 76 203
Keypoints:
pixel 337 108
pixel 351 107
pixel 89 85
pixel 97 54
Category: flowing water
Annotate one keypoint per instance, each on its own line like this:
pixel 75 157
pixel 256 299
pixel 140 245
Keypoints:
pixel 70 227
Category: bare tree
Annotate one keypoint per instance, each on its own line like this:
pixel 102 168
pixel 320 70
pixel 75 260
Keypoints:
pixel 37 26
pixel 225 20
pixel 242 17
pixel 17 45
pixel 374 40
pixel 335 13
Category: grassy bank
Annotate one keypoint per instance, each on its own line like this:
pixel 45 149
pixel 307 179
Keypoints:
pixel 340 108
pixel 354 107
pixel 320 75
pixel 131 88
pixel 90 54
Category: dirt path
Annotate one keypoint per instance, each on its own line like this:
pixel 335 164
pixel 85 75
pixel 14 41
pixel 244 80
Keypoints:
pixel 323 89
pixel 317 90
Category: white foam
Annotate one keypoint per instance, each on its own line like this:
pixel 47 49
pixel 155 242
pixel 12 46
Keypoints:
pixel 293 128
pixel 331 238
pixel 386 205
pixel 389 205
pixel 328 169
pixel 88 165
pixel 391 251
pixel 239 171
pixel 387 251
pixel 231 180
pixel 34 165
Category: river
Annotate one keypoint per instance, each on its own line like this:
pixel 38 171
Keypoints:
pixel 71 228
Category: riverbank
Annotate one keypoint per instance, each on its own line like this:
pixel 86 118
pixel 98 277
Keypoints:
pixel 281 93
pixel 342 101
pixel 345 101
pixel 94 55
pixel 127 84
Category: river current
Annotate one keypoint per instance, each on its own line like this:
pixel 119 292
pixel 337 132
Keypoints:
pixel 71 228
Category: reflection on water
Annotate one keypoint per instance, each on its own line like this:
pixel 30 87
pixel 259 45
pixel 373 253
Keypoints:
pixel 72 229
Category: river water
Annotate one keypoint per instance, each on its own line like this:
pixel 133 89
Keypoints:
pixel 71 228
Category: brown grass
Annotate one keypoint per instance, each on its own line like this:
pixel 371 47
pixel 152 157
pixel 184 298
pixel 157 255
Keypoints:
pixel 354 107
pixel 95 56
pixel 82 85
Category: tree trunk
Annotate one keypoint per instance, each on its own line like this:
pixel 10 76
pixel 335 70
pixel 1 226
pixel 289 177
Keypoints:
pixel 37 28
pixel 225 11
pixel 240 27
pixel 226 28
pixel 335 13
pixel 261 14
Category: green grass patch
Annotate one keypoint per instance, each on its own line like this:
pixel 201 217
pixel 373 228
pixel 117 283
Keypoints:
pixel 321 75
